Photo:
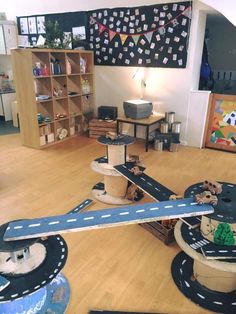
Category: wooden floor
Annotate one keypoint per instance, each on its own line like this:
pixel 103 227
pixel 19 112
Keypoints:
pixel 124 268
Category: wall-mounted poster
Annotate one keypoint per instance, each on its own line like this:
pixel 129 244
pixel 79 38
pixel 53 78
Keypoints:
pixel 221 129
pixel 155 35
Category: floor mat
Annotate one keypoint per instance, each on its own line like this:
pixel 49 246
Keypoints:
pixel 6 127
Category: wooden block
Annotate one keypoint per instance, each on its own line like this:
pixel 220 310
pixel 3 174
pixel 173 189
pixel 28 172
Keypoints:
pixel 159 231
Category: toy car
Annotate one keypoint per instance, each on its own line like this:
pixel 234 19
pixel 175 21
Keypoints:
pixel 206 198
pixel 213 186
pixel 134 158
pixel 112 135
pixel 136 171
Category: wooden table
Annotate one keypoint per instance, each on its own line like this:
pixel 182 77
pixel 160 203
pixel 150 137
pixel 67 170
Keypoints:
pixel 147 122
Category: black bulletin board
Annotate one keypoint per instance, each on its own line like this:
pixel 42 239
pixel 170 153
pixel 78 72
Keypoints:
pixel 145 36
pixel 66 22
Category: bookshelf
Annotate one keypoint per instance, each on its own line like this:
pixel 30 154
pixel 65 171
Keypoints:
pixel 54 91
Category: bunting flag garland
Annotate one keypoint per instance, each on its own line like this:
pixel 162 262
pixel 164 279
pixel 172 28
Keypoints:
pixel 112 34
pixel 131 36
pixel 135 38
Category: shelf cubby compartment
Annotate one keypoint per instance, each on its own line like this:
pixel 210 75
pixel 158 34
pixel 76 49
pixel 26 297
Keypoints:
pixel 61 110
pixel 41 61
pixel 46 109
pixel 78 124
pixel 86 84
pixel 72 63
pixel 60 125
pixel 86 63
pixel 46 133
pixel 59 86
pixel 57 63
pixel 73 85
pixel 43 86
pixel 75 106
pixel 87 103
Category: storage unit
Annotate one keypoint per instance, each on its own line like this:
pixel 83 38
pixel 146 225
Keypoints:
pixel 100 127
pixel 8 37
pixel 54 87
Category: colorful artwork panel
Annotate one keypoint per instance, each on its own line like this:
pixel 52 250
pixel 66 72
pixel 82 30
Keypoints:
pixel 221 130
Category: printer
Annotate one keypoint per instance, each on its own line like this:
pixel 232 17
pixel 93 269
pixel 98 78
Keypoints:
pixel 137 108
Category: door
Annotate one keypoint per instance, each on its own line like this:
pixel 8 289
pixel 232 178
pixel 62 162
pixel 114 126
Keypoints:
pixel 2 41
pixel 9 31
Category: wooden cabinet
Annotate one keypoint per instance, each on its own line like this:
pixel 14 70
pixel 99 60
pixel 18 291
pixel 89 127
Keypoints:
pixel 54 90
pixel 8 37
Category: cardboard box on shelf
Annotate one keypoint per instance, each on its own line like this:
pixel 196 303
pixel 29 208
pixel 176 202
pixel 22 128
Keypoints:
pixel 42 140
pixel 50 137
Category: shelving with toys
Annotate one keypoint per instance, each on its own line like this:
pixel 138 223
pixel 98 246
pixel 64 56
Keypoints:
pixel 55 94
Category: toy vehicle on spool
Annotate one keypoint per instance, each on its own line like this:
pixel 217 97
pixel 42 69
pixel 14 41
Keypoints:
pixel 136 171
pixel 206 198
pixel 213 186
pixel 113 136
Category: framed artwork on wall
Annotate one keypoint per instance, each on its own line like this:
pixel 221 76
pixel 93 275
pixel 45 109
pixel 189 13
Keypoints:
pixel 221 127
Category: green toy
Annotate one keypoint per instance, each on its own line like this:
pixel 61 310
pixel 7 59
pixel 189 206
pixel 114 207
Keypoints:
pixel 223 235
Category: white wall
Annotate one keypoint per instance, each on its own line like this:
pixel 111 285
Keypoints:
pixel 168 89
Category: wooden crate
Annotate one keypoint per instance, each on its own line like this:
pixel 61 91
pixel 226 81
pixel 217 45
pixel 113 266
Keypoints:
pixel 163 233
pixel 100 127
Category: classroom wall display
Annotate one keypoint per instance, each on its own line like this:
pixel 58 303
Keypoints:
pixel 150 36
pixel 145 36
pixel 221 128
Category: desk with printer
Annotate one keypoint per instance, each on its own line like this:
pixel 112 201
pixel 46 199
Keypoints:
pixel 138 112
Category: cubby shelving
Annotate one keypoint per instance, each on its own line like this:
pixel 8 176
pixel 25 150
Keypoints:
pixel 56 91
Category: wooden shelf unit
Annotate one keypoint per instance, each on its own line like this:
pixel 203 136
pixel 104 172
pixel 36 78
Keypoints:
pixel 66 77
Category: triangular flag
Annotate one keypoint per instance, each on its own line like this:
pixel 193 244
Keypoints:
pixel 101 28
pixel 111 34
pixel 135 38
pixel 148 36
pixel 123 38
pixel 188 12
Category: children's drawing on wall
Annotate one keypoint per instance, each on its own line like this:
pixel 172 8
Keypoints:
pixel 154 35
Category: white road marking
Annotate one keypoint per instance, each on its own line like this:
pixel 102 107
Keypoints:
pixel 36 287
pixel 14 295
pixel 26 291
pixel 149 183
pixel 223 251
pixel 33 225
pixel 184 261
pixel 140 211
pixel 154 208
pixel 169 206
pixel 230 185
pixel 54 222
pixel 181 205
pixel 43 282
pixel 187 284
pixel 195 203
pixel 105 216
pixel 143 179
pixel 201 296
pixel 88 218
pixel 216 302
pixel 18 227
pixel 71 220
pixel 124 213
